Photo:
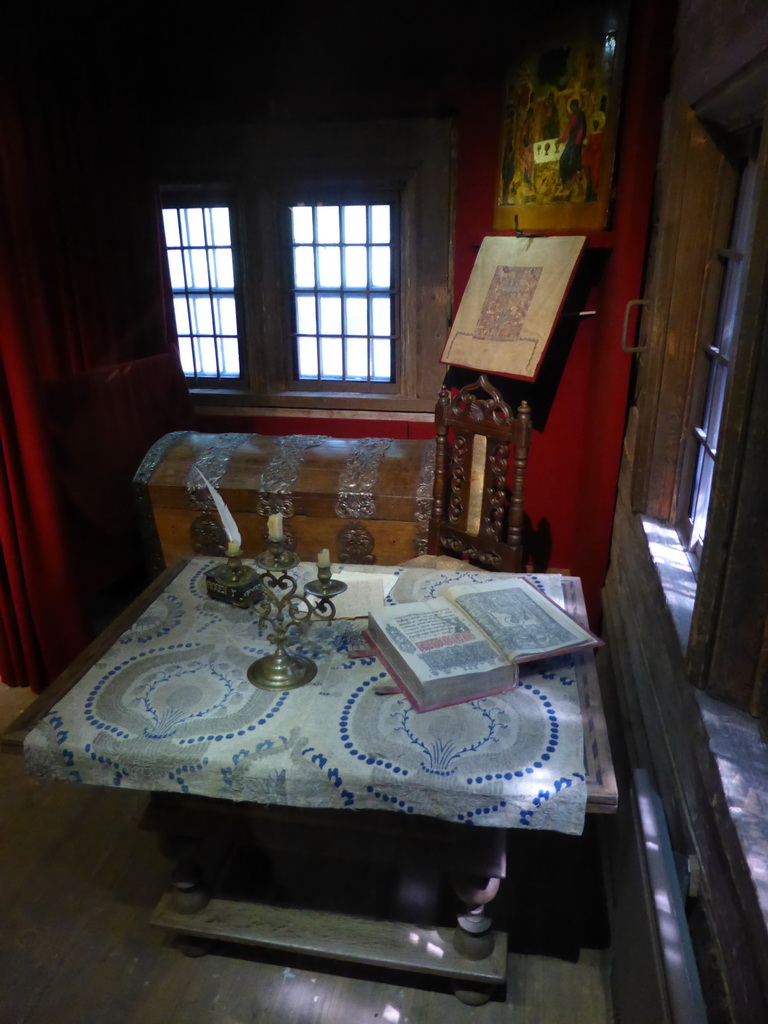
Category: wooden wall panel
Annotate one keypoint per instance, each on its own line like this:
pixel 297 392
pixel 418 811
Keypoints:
pixel 665 733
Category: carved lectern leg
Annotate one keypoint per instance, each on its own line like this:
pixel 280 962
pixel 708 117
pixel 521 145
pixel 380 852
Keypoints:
pixel 473 936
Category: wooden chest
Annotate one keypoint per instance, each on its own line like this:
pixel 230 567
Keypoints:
pixel 367 500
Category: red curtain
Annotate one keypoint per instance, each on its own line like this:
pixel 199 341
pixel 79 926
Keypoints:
pixel 80 290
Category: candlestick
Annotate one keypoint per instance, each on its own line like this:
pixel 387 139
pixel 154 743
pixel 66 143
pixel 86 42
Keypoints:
pixel 233 582
pixel 288 613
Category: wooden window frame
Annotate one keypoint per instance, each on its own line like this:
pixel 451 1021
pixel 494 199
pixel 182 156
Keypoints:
pixel 727 651
pixel 266 168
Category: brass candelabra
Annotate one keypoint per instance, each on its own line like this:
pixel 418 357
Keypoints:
pixel 288 613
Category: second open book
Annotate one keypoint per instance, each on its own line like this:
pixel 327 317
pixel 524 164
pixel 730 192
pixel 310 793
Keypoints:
pixel 468 643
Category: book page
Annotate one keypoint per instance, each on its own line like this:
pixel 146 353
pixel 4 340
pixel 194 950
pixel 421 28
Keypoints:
pixel 423 584
pixel 438 641
pixel 520 620
pixel 511 304
pixel 365 592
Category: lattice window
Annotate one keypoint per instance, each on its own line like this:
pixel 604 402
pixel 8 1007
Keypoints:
pixel 344 291
pixel 199 246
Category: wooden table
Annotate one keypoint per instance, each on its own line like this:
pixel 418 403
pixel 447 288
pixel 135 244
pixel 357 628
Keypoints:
pixel 218 894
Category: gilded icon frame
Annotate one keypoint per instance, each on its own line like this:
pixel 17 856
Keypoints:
pixel 559 129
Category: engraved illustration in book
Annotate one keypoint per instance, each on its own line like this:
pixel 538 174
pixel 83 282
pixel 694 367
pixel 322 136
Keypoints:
pixel 468 643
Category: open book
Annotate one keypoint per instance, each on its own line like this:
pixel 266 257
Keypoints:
pixel 468 643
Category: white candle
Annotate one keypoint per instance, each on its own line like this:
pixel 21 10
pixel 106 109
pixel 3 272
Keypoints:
pixel 275 526
pixel 233 549
pixel 323 559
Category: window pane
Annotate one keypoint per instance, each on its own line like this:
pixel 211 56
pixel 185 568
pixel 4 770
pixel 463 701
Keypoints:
pixel 203 262
pixel 381 310
pixel 202 319
pixel 207 364
pixel 382 360
pixel 357 316
pixel 185 355
pixel 355 224
pixel 715 406
pixel 701 496
pixel 181 314
pixel 304 266
pixel 356 266
pixel 729 307
pixel 192 231
pixel 306 315
pixel 380 230
pixel 302 224
pixel 328 225
pixel 308 368
pixel 329 266
pixel 357 358
pixel 222 271
pixel 336 267
pixel 197 268
pixel 176 268
pixel 330 315
pixel 226 316
pixel 331 365
pixel 230 358
pixel 380 267
pixel 171 227
pixel 220 233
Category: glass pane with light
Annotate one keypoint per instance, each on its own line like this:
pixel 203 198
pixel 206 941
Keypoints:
pixel 225 313
pixel 330 314
pixel 171 227
pixel 381 316
pixel 182 314
pixel 202 317
pixel 355 225
pixel 328 232
pixel 381 369
pixel 176 269
pixel 331 362
pixel 308 365
pixel 356 266
pixel 221 269
pixel 357 358
pixel 380 224
pixel 356 309
pixel 230 357
pixel 207 363
pixel 304 266
pixel 185 355
pixel 197 268
pixel 328 266
pixel 306 314
pixel 303 229
pixel 220 232
pixel 381 266
pixel 192 228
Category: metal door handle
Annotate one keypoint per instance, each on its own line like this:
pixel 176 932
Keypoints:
pixel 630 304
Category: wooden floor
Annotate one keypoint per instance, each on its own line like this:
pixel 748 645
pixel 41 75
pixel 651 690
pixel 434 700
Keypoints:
pixel 79 881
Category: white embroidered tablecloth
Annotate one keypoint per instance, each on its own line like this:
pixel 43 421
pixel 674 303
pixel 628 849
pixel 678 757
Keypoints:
pixel 169 708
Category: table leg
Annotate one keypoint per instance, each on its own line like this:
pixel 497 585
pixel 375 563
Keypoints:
pixel 473 936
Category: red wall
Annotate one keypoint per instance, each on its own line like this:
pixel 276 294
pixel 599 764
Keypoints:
pixel 573 468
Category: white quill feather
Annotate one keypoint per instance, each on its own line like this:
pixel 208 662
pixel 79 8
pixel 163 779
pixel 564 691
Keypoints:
pixel 227 519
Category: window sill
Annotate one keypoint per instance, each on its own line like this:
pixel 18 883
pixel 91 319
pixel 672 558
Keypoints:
pixel 675 573
pixel 736 740
pixel 319 404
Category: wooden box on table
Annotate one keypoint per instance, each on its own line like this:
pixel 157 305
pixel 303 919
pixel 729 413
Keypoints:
pixel 367 500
